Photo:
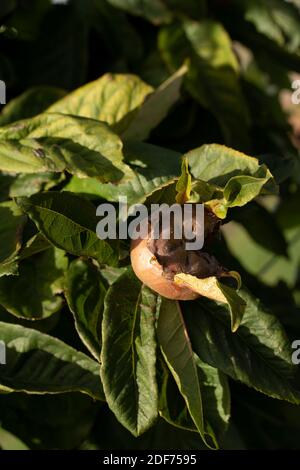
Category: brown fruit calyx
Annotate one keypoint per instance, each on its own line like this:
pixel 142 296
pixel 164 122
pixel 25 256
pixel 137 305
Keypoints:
pixel 175 259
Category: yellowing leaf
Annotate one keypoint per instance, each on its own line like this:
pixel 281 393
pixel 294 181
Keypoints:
pixel 108 99
pixel 213 289
pixel 207 287
pixel 57 142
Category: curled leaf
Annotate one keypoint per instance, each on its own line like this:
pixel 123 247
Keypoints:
pixel 213 289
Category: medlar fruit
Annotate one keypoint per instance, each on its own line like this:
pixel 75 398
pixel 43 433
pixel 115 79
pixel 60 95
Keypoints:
pixel 156 261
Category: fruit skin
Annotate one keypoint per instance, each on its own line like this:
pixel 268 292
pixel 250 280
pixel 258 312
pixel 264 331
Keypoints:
pixel 150 272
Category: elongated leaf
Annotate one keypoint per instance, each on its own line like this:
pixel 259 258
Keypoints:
pixel 41 274
pixel 128 354
pixel 236 305
pixel 38 363
pixel 155 108
pixel 85 294
pixel 57 142
pixel 178 354
pixel 108 99
pixel 215 396
pixel 154 168
pixel 34 245
pixel 172 406
pixel 32 102
pixel 213 76
pixel 258 354
pixel 69 222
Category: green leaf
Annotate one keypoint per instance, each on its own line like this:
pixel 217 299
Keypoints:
pixel 109 99
pixel 128 354
pixel 258 354
pixel 172 406
pixel 215 397
pixel 57 142
pixel 235 304
pixel 153 168
pixel 29 184
pixel 215 394
pixel 213 78
pixel 42 274
pixel 69 222
pixel 241 189
pixel 85 294
pixel 37 363
pixel 184 184
pixel 217 164
pixel 153 10
pixel 110 275
pixel 233 178
pixel 12 222
pixel 32 102
pixel 178 354
pixel 155 108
